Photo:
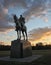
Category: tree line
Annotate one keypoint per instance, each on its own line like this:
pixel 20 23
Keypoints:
pixel 3 47
pixel 39 46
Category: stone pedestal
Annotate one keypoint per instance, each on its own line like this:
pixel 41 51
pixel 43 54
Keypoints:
pixel 20 49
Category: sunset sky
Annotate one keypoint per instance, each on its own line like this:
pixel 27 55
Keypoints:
pixel 38 20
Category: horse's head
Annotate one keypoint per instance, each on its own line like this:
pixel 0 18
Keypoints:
pixel 15 18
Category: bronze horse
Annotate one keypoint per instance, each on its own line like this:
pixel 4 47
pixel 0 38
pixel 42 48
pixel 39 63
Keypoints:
pixel 20 28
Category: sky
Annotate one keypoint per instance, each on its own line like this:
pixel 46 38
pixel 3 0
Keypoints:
pixel 37 15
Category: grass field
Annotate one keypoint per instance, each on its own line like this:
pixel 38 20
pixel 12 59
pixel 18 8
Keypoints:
pixel 4 53
pixel 45 60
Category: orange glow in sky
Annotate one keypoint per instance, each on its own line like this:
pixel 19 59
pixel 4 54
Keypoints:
pixel 45 39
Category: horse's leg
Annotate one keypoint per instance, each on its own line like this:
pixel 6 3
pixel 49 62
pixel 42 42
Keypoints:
pixel 26 34
pixel 19 34
pixel 23 34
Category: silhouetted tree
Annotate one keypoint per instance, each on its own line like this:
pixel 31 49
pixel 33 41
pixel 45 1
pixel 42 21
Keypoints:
pixel 3 47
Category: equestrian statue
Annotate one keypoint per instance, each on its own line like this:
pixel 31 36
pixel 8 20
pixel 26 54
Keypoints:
pixel 20 27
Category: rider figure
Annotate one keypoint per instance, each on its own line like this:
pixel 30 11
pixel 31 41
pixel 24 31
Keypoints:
pixel 20 26
pixel 23 27
pixel 22 21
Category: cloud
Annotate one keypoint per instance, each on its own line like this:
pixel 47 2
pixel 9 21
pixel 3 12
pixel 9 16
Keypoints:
pixel 49 4
pixel 39 8
pixel 1 43
pixel 6 22
pixel 12 3
pixel 36 9
pixel 46 19
pixel 5 10
pixel 33 8
pixel 39 33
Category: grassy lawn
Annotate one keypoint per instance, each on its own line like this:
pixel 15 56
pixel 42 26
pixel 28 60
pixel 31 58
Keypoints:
pixel 45 60
pixel 41 52
pixel 4 53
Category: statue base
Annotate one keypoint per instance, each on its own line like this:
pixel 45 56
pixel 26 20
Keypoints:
pixel 20 49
